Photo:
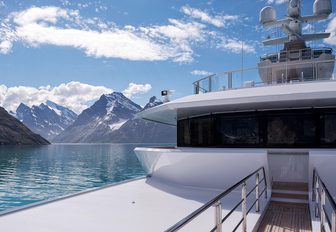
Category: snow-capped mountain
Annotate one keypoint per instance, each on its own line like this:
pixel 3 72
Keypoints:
pixel 48 119
pixel 111 119
pixel 15 132
pixel 97 122
pixel 141 131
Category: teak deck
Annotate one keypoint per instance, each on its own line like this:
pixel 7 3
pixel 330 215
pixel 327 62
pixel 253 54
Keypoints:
pixel 283 216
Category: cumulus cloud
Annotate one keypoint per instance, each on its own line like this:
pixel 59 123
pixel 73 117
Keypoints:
pixel 218 20
pixel 51 25
pixel 63 27
pixel 278 2
pixel 133 89
pixel 332 29
pixel 75 95
pixel 236 45
pixel 200 72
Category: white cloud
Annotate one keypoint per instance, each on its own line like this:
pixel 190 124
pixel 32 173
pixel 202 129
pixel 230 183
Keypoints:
pixel 74 95
pixel 278 2
pixel 200 72
pixel 235 46
pixel 332 29
pixel 62 27
pixel 2 4
pixel 133 89
pixel 218 20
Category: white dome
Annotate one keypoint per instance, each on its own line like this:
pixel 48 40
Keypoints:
pixel 267 14
pixel 322 7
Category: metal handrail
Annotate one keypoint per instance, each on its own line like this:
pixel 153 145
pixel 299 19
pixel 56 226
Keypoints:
pixel 228 75
pixel 217 203
pixel 319 194
pixel 310 53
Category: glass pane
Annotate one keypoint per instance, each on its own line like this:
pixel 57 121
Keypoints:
pixel 291 130
pixel 201 131
pixel 328 135
pixel 237 130
pixel 183 133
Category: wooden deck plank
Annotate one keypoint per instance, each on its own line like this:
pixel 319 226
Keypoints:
pixel 283 217
pixel 294 186
pixel 291 196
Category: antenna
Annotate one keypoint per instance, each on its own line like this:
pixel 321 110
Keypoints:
pixel 292 23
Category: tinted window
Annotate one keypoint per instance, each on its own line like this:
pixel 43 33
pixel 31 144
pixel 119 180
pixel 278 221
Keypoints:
pixel 183 133
pixel 201 131
pixel 237 130
pixel 291 130
pixel 328 130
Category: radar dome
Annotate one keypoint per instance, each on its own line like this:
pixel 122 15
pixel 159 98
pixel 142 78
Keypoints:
pixel 267 15
pixel 322 7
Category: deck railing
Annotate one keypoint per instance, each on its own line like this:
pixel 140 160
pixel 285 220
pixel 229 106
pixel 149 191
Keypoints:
pixel 299 54
pixel 217 204
pixel 322 198
pixel 277 73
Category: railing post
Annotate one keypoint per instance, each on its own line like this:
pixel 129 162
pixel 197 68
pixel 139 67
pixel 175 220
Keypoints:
pixel 316 196
pixel 244 209
pixel 265 181
pixel 218 216
pixel 210 83
pixel 230 80
pixel 197 87
pixel 257 192
pixel 333 222
pixel 322 213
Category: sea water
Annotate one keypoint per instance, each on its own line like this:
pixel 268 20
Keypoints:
pixel 29 174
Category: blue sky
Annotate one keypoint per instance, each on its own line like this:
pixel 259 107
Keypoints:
pixel 73 51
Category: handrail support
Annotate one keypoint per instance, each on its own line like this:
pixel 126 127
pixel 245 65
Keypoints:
pixel 218 216
pixel 333 222
pixel 244 208
pixel 257 192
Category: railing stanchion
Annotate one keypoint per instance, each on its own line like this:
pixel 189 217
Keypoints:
pixel 322 213
pixel 316 196
pixel 257 192
pixel 265 181
pixel 333 222
pixel 230 80
pixel 218 216
pixel 210 84
pixel 244 208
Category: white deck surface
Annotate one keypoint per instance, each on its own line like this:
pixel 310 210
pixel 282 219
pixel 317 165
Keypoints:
pixel 140 205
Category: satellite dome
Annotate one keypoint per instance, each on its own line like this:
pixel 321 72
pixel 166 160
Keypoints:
pixel 322 7
pixel 267 15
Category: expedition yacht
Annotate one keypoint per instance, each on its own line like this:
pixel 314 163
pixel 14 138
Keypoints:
pixel 250 155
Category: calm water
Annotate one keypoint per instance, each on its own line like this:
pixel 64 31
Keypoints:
pixel 31 174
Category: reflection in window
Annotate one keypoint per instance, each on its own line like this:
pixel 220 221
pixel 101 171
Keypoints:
pixel 291 130
pixel 201 131
pixel 328 135
pixel 237 130
pixel 183 133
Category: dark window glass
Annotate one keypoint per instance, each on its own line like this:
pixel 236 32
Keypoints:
pixel 328 130
pixel 183 133
pixel 291 130
pixel 201 131
pixel 237 130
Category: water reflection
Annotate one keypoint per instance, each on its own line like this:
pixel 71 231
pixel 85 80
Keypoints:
pixel 29 174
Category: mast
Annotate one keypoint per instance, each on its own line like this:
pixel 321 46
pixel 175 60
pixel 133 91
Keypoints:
pixel 292 23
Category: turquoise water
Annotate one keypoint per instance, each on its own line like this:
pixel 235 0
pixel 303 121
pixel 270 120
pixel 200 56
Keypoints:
pixel 30 174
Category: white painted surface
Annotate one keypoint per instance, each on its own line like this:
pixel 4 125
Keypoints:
pixel 304 94
pixel 324 160
pixel 156 207
pixel 287 167
pixel 201 167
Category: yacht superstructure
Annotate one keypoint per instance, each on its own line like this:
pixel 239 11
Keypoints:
pixel 250 156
